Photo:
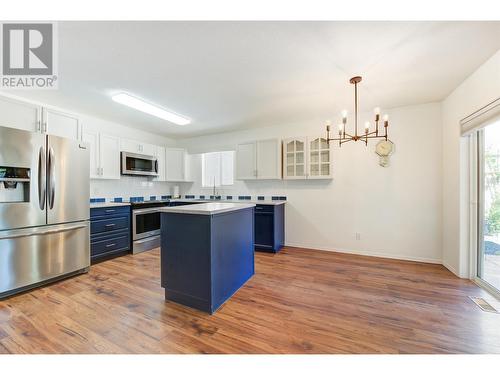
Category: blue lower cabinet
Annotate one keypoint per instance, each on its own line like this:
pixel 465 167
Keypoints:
pixel 109 232
pixel 269 227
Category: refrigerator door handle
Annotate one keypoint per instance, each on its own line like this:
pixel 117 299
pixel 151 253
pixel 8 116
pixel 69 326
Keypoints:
pixel 52 178
pixel 40 231
pixel 42 181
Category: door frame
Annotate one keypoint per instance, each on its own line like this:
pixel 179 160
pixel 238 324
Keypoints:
pixel 476 217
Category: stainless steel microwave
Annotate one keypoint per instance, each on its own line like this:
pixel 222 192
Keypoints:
pixel 138 164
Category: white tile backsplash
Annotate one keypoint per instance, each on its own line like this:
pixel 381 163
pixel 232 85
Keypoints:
pixel 129 186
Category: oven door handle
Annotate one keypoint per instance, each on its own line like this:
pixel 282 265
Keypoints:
pixel 145 211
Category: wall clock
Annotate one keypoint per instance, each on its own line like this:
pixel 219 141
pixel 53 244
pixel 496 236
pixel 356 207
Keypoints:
pixel 384 149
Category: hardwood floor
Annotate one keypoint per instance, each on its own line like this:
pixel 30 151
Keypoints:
pixel 299 301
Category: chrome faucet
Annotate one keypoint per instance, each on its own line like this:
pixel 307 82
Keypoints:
pixel 215 191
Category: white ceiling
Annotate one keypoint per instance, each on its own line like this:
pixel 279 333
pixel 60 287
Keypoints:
pixel 235 75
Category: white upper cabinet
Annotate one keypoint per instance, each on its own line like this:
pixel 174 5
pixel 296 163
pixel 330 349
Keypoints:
pixel 246 161
pixel 269 159
pixel 295 158
pixel 319 163
pixel 175 165
pixel 104 155
pixel 259 160
pixel 109 156
pixel 60 124
pixel 160 156
pixel 92 140
pixel 129 145
pixel 19 115
pixel 307 158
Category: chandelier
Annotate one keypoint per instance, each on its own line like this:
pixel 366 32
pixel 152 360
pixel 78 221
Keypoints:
pixel 344 137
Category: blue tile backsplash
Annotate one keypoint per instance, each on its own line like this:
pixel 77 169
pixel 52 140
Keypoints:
pixel 97 200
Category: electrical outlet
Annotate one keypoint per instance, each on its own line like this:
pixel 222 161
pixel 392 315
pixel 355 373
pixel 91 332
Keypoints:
pixel 358 236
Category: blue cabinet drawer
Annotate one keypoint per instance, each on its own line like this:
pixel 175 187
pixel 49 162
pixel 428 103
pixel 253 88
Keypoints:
pixel 109 245
pixel 264 208
pixel 106 225
pixel 110 211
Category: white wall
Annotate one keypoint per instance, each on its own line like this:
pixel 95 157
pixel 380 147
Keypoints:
pixel 479 89
pixel 397 210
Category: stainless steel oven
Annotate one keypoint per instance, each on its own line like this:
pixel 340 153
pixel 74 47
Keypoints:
pixel 138 164
pixel 146 226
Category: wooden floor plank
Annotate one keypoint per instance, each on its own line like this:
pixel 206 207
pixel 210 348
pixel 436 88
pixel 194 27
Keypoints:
pixel 299 301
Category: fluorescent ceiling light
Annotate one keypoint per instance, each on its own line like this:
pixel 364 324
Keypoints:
pixel 142 106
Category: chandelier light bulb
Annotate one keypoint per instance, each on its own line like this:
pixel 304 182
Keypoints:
pixel 367 125
pixel 344 113
pixel 376 111
pixel 386 117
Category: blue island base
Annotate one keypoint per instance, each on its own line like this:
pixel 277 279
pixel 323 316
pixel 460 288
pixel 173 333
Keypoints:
pixel 205 259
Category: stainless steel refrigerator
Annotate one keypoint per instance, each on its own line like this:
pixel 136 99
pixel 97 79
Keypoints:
pixel 44 209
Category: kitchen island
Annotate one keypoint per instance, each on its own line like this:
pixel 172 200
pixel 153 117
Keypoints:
pixel 207 252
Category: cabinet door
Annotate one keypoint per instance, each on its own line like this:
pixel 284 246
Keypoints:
pixel 174 164
pixel 264 230
pixel 61 124
pixel 246 161
pixel 319 158
pixel 148 149
pixel 294 158
pixel 19 115
pixel 129 145
pixel 93 141
pixel 160 156
pixel 109 156
pixel 269 159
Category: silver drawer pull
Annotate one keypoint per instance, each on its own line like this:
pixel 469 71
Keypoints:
pixel 110 245
pixel 109 225
pixel 110 210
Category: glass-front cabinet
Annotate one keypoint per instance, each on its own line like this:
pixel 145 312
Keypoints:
pixel 295 158
pixel 307 158
pixel 319 164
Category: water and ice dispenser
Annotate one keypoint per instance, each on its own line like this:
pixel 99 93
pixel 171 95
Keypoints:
pixel 14 184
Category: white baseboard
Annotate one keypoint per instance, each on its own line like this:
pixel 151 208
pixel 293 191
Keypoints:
pixel 368 253
pixel 452 269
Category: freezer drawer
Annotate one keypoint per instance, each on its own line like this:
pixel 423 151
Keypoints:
pixel 34 255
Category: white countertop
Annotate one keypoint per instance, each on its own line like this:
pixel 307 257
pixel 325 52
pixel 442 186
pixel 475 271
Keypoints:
pixel 211 208
pixel 108 204
pixel 237 201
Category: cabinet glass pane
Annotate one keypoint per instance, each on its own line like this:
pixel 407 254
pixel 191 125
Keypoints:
pixel 290 170
pixel 314 170
pixel 299 146
pixel 300 170
pixel 314 157
pixel 315 144
pixel 325 156
pixel 299 158
pixel 290 146
pixel 290 158
pixel 325 169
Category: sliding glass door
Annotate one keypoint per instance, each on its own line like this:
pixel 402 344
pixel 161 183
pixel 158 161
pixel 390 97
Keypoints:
pixel 488 263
